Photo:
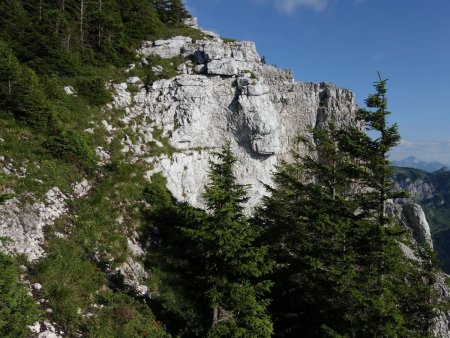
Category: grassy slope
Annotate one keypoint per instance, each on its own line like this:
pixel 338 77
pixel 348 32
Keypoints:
pixel 72 281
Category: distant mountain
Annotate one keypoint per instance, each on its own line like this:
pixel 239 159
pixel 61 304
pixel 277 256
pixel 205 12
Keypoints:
pixel 413 162
pixel 432 192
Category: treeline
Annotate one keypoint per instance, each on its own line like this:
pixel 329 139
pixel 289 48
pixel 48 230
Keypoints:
pixel 63 36
pixel 320 247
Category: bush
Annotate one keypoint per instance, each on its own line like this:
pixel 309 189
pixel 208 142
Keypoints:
pixel 17 308
pixel 121 315
pixel 72 146
pixel 94 91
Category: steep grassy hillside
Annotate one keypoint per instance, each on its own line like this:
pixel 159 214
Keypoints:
pixel 46 46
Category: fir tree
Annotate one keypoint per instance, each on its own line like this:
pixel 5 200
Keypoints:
pixel 340 270
pixel 234 265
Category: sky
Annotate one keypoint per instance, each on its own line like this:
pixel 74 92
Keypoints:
pixel 346 42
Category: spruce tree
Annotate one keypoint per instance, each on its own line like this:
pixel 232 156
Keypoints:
pixel 340 269
pixel 233 264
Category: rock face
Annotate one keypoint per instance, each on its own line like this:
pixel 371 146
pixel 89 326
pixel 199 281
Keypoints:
pixel 234 96
pixel 22 226
pixel 411 216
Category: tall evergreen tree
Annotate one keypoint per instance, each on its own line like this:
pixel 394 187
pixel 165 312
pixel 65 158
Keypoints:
pixel 340 270
pixel 234 265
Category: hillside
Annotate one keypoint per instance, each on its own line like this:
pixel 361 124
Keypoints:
pixel 138 154
pixel 432 192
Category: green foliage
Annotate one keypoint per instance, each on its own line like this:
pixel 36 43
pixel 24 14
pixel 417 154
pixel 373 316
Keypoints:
pixel 171 12
pixel 72 146
pixel 340 271
pixel 93 90
pixel 21 92
pixel 4 197
pixel 233 264
pixel 70 282
pixel 166 148
pixel 70 277
pixel 119 315
pixel 17 308
pixel 177 297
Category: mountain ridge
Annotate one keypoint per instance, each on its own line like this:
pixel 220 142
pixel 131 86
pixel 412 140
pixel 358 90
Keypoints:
pixel 413 162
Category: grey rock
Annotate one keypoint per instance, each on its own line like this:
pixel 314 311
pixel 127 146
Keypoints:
pixel 24 224
pixel 411 215
pixel 165 48
pixel 69 90
pixel 81 189
pixel 191 22
pixel 157 69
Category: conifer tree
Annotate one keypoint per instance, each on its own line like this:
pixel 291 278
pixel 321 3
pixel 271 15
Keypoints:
pixel 234 265
pixel 340 270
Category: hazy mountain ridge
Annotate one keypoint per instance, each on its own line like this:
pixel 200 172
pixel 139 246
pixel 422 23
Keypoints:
pixel 413 162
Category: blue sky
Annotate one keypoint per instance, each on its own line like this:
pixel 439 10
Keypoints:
pixel 346 42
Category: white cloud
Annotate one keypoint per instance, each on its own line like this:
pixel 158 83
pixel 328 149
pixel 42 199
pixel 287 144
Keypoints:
pixel 289 6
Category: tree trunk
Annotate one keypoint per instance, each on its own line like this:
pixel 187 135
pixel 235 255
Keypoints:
pixel 81 21
pixel 215 316
pixel 100 2
pixel 40 10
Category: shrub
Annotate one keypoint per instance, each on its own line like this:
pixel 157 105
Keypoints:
pixel 17 308
pixel 120 315
pixel 72 146
pixel 94 91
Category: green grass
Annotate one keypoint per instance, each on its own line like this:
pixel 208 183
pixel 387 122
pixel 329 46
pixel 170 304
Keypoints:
pixel 170 32
pixel 70 276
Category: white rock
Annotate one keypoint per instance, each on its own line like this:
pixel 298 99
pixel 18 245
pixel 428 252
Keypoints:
pixel 36 327
pixel 191 22
pixel 157 69
pixel 109 128
pixel 121 98
pixel 36 286
pixel 69 90
pixel 164 48
pixel 24 224
pixel 81 189
pixel 134 80
pixel 211 34
pixel 103 155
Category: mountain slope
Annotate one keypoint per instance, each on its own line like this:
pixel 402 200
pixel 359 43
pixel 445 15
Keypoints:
pixel 432 192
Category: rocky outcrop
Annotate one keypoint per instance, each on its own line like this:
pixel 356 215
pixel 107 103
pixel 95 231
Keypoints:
pixel 411 216
pixel 231 95
pixel 22 225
